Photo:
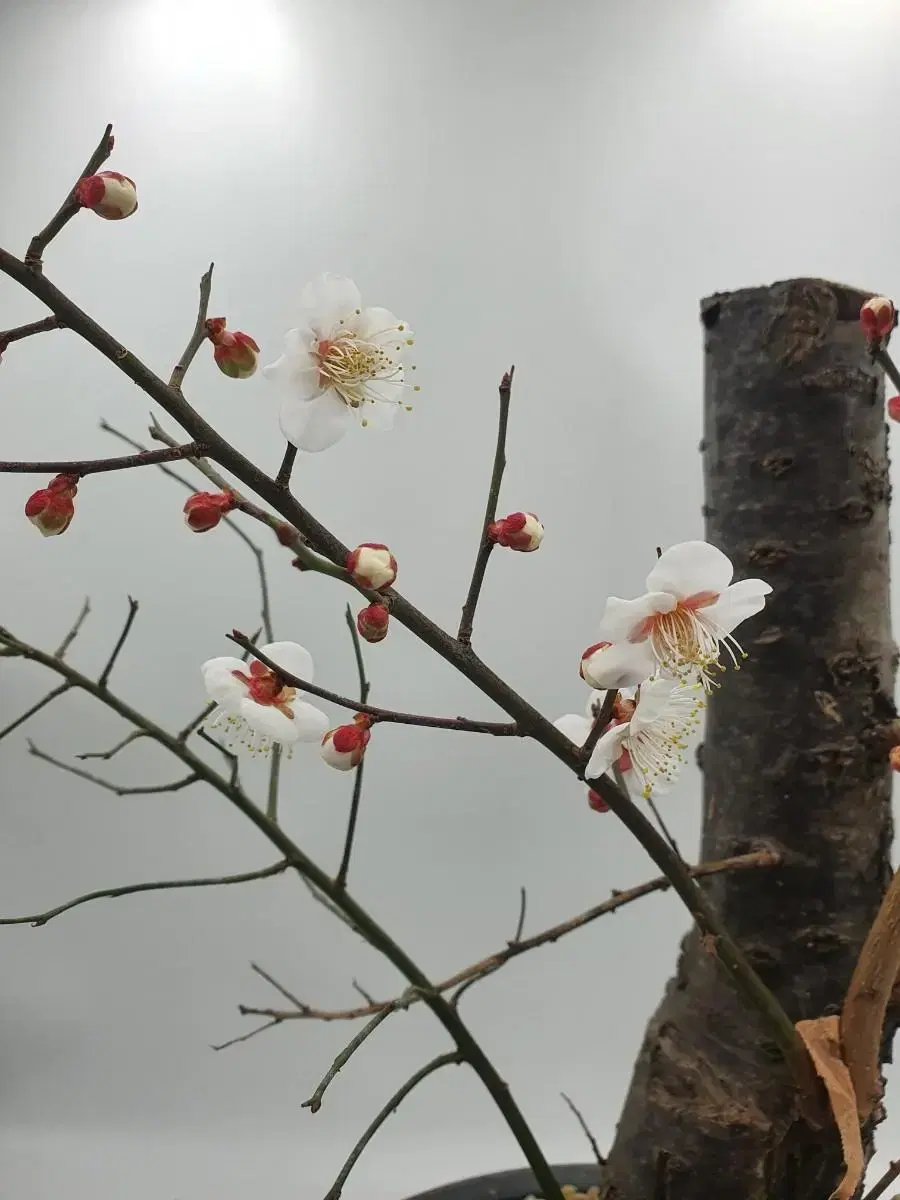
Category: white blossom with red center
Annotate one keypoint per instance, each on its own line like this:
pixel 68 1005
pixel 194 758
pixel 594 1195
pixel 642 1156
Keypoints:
pixel 343 748
pixel 342 365
pixel 653 735
pixel 689 611
pixel 256 704
pixel 576 727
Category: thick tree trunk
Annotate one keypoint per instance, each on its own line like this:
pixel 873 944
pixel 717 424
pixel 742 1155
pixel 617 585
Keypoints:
pixel 797 492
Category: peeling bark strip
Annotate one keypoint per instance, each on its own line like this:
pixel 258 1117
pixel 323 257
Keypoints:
pixel 796 491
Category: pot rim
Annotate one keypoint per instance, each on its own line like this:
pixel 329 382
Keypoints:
pixel 510 1185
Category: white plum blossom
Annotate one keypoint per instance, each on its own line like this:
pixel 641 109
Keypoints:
pixel 343 364
pixel 654 738
pixel 259 709
pixel 576 727
pixel 689 611
pixel 617 665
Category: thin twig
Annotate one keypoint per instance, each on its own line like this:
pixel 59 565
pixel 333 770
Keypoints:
pixel 197 721
pixel 274 777
pixel 279 987
pixel 664 829
pixel 382 715
pixel 485 546
pixel 601 1160
pixel 443 1060
pixel 94 466
pixel 198 335
pixel 314 1103
pixel 888 366
pixel 881 1185
pixel 149 790
pixel 487 966
pixel 106 755
pixel 364 687
pixel 75 630
pixel 69 207
pixel 357 987
pixel 132 889
pixel 244 1037
pixel 117 648
pixel 283 478
pixel 35 708
pixel 520 924
pixel 234 777
pixel 8 336
pixel 601 719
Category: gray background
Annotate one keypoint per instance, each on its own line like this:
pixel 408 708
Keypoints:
pixel 550 184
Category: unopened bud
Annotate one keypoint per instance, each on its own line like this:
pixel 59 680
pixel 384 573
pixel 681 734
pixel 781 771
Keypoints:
pixel 372 565
pixel 894 758
pixel 343 748
pixel 204 510
pixel 596 801
pixel 108 194
pixel 52 508
pixel 372 622
pixel 877 318
pixel 893 408
pixel 607 665
pixel 236 354
pixel 519 531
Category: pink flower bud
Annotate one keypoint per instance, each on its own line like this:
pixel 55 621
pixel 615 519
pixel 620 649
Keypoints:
pixel 894 758
pixel 596 801
pixel 204 510
pixel 372 565
pixel 52 508
pixel 877 318
pixel 372 622
pixel 893 408
pixel 236 354
pixel 607 665
pixel 343 748
pixel 109 195
pixel 519 531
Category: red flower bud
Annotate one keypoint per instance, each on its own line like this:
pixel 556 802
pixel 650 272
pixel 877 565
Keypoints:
pixel 52 508
pixel 372 622
pixel 596 801
pixel 877 318
pixel 108 194
pixel 894 758
pixel 372 565
pixel 204 510
pixel 893 408
pixel 236 354
pixel 343 748
pixel 519 531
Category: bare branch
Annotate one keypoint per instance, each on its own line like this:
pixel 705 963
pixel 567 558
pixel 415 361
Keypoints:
pixel 601 719
pixel 155 789
pixel 487 966
pixel 229 754
pixel 274 778
pixel 8 336
pixel 601 1160
pixel 245 1037
pixel 314 1103
pixel 283 478
pixel 443 1060
pixel 69 207
pixel 116 650
pixel 106 755
pixel 279 987
pixel 94 466
pixel 199 334
pixel 161 886
pixel 382 715
pixel 881 1185
pixel 75 630
pixel 364 687
pixel 197 721
pixel 365 995
pixel 35 708
pixel 485 546
pixel 520 924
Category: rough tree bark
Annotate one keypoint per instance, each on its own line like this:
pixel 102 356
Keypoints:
pixel 797 488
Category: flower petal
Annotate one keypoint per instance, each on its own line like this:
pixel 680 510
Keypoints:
pixel 689 568
pixel 621 618
pixel 379 325
pixel 738 602
pixel 328 298
pixel 294 659
pixel 574 727
pixel 315 425
pixel 220 683
pixel 606 752
pixel 654 700
pixel 269 722
pixel 310 722
pixel 379 415
pixel 621 664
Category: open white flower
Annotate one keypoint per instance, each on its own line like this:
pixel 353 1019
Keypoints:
pixel 654 738
pixel 576 728
pixel 689 610
pixel 259 709
pixel 343 364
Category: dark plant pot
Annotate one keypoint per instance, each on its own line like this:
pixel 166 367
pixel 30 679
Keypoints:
pixel 511 1185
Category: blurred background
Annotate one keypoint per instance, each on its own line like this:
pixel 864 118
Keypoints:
pixel 554 185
